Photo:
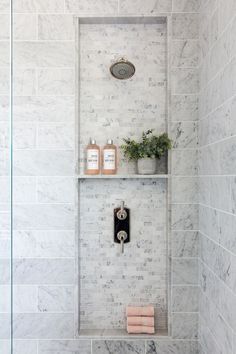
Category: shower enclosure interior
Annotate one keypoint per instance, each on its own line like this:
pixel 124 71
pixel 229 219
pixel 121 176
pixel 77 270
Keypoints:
pixel 65 282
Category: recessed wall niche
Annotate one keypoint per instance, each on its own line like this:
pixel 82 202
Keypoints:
pixel 115 109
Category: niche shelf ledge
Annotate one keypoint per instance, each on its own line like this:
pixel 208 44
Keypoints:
pixel 119 334
pixel 131 176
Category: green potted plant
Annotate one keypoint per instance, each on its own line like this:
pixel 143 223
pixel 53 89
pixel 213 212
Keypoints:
pixel 147 151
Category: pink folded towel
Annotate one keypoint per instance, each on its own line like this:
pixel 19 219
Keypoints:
pixel 140 329
pixel 139 311
pixel 140 321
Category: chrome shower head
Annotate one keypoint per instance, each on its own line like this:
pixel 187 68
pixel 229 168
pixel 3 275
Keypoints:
pixel 122 69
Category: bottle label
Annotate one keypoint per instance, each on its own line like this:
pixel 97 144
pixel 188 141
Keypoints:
pixel 92 159
pixel 109 159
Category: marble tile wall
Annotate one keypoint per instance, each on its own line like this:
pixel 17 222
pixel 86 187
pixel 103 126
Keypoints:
pixel 217 219
pixel 44 166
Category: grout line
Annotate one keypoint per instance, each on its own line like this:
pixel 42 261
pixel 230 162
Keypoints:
pixel 219 210
pixel 219 245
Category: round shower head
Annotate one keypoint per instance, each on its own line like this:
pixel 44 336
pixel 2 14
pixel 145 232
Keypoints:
pixel 122 69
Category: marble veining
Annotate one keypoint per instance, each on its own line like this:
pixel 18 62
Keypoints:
pixel 118 347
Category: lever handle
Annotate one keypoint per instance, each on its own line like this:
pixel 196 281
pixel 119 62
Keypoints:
pixel 122 245
pixel 122 236
pixel 122 214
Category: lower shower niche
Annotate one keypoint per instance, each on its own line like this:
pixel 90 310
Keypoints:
pixel 111 280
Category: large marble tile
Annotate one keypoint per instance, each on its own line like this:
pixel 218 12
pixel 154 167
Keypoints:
pixel 184 134
pixel 41 109
pixel 5 271
pixel 209 222
pixel 5 326
pixel 5 7
pixel 209 160
pixel 5 248
pixel 227 225
pixel 43 271
pixel 185 298
pixel 233 195
pixel 185 243
pixel 184 189
pixel 56 27
pixel 184 217
pixel 5 26
pixel 185 26
pixel 24 82
pixel 5 189
pixel 217 325
pixel 56 136
pixel 39 163
pixel 118 347
pixel 185 53
pixel 5 345
pixel 220 260
pixel 55 189
pixel 24 136
pixel 56 81
pixel 44 243
pixel 184 162
pixel 44 216
pixel 184 107
pixel 4 53
pixel 185 81
pixel 228 156
pixel 25 299
pixel 41 6
pixel 207 340
pixel 226 13
pixel 184 271
pixel 185 325
pixel 101 7
pixel 5 299
pixel 44 54
pixel 222 297
pixel 64 347
pixel 25 27
pixel 4 81
pixel 171 347
pixel 43 326
pixel 148 7
pixel 56 299
pixel 25 347
pixel 185 5
pixel 217 199
pixel 24 189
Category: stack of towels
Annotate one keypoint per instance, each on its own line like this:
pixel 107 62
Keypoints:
pixel 140 319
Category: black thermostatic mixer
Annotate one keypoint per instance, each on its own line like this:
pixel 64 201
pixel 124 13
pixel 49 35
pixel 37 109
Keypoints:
pixel 122 225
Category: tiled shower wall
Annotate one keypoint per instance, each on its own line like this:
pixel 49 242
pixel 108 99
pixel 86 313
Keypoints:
pixel 217 168
pixel 45 274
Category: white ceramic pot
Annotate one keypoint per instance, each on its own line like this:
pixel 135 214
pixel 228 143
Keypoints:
pixel 147 166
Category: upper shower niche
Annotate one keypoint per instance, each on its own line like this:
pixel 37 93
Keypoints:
pixel 123 102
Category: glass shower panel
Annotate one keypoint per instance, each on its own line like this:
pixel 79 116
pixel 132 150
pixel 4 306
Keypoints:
pixel 5 178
